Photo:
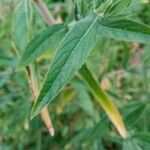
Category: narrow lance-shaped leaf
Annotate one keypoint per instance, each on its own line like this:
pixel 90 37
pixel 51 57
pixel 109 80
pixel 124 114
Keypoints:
pixel 123 29
pixel 21 24
pixel 71 54
pixel 133 113
pixel 104 100
pixel 46 40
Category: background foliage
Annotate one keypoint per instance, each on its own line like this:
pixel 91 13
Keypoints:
pixel 122 68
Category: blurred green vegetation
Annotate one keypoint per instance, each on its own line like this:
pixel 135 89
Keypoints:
pixel 123 68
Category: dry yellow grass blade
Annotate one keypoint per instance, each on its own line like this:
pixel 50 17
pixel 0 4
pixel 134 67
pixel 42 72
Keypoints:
pixel 104 100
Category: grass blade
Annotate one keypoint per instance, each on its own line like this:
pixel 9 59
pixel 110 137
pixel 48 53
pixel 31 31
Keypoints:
pixel 104 100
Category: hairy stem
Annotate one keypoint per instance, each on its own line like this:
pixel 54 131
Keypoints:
pixel 43 10
pixel 35 86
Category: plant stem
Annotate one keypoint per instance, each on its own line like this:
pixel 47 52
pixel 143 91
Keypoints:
pixel 34 83
pixel 43 10
pixel 48 18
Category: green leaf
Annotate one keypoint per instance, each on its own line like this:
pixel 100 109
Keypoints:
pixel 43 42
pixel 7 61
pixel 123 29
pixel 70 56
pixel 104 100
pixel 143 137
pixel 21 24
pixel 117 7
pixel 147 55
pixel 131 144
pixel 133 113
pixel 103 5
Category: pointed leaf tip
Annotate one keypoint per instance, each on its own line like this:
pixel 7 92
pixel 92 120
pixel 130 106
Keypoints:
pixel 70 55
pixel 104 100
pixel 34 113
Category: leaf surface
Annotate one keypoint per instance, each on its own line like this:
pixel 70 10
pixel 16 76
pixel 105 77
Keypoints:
pixel 46 40
pixel 143 137
pixel 21 24
pixel 133 113
pixel 71 54
pixel 124 29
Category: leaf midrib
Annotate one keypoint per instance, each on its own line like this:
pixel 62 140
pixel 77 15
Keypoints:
pixel 71 54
